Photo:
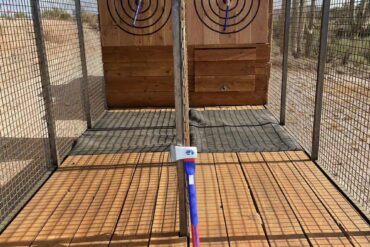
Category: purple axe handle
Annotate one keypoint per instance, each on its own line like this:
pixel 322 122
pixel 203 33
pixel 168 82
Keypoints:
pixel 190 172
pixel 138 10
pixel 228 2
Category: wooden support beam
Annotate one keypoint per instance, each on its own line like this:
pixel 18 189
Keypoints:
pixel 181 100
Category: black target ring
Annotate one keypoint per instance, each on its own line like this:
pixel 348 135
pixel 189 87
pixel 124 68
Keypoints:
pixel 224 11
pixel 156 15
pixel 132 7
pixel 130 15
pixel 218 16
pixel 224 8
pixel 214 21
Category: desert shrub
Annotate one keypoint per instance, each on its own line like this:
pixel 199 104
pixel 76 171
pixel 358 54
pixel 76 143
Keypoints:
pixel 90 19
pixel 52 37
pixel 354 51
pixel 20 15
pixel 56 14
pixel 6 17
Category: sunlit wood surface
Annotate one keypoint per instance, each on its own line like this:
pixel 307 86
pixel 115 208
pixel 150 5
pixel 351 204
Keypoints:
pixel 244 199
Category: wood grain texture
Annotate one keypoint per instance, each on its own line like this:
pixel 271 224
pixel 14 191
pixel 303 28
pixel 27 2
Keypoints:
pixel 139 69
pixel 139 79
pixel 212 226
pixel 225 83
pixel 244 199
pixel 273 205
pixel 243 222
pixel 198 34
pixel 320 227
pixel 112 35
pixel 256 32
pixel 222 54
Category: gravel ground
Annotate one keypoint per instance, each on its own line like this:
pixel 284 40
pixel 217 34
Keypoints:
pixel 345 130
pixel 23 131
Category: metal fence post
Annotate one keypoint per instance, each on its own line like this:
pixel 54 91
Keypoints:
pixel 101 42
pixel 285 62
pixel 181 104
pixel 85 80
pixel 320 79
pixel 45 80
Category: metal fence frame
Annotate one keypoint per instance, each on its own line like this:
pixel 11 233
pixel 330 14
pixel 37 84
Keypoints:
pixel 34 14
pixel 314 150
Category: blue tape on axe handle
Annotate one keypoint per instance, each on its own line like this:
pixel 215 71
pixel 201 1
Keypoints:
pixel 190 172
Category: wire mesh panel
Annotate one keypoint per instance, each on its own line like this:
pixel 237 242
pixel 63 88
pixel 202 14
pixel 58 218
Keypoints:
pixel 277 45
pixel 24 153
pixel 302 68
pixel 90 19
pixel 63 54
pixel 345 129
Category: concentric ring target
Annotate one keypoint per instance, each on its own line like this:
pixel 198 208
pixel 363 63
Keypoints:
pixel 140 17
pixel 227 17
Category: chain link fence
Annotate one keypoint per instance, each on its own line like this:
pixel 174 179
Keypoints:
pixel 90 20
pixel 25 143
pixel 344 151
pixel 345 127
pixel 23 132
pixel 65 71
pixel 302 70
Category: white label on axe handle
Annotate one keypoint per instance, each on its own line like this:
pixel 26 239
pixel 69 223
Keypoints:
pixel 181 153
pixel 191 180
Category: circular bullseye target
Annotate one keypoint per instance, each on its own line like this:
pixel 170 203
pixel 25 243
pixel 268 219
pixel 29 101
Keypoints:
pixel 140 17
pixel 227 16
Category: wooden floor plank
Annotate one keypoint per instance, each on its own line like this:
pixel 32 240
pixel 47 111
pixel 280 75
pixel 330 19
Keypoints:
pixel 27 225
pixel 82 201
pixel 99 232
pixel 65 220
pixel 282 226
pixel 166 218
pixel 165 228
pixel 356 227
pixel 320 228
pixel 134 225
pixel 242 220
pixel 101 160
pixel 96 224
pixel 212 227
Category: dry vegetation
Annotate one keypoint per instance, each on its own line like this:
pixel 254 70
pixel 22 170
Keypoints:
pixel 345 130
pixel 22 125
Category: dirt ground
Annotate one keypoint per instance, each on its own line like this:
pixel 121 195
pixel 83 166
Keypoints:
pixel 24 153
pixel 345 129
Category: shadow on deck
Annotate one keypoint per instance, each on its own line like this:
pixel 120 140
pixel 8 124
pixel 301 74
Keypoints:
pixel 128 196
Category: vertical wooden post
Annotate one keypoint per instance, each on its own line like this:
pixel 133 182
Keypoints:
pixel 320 79
pixel 45 80
pixel 85 82
pixel 181 101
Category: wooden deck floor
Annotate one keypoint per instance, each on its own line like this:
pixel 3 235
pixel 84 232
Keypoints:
pixel 245 199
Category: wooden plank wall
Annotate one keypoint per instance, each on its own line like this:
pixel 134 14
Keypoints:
pixel 230 69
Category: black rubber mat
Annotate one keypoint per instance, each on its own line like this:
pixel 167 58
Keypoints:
pixel 136 120
pixel 211 131
pixel 118 141
pixel 238 130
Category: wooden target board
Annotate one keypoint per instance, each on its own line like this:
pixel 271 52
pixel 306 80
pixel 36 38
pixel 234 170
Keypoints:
pixel 228 52
pixel 213 22
pixel 151 27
